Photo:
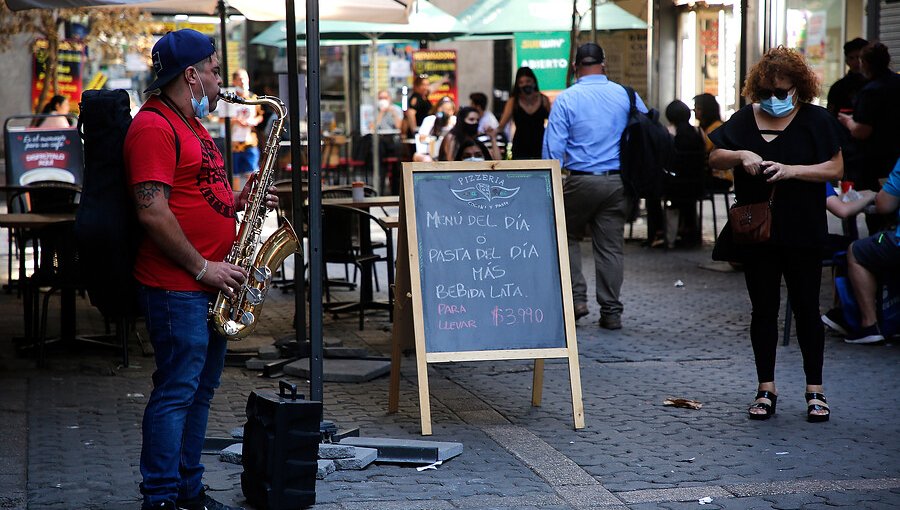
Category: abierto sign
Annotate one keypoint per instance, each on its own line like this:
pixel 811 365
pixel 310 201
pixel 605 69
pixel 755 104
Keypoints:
pixel 547 54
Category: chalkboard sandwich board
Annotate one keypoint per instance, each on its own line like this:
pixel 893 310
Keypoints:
pixel 488 267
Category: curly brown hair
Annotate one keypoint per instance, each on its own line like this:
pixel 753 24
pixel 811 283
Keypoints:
pixel 786 63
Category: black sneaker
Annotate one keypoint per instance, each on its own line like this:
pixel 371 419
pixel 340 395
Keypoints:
pixel 867 335
pixel 162 505
pixel 834 319
pixel 204 502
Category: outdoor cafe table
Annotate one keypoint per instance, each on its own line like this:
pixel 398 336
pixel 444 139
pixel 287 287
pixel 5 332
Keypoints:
pixel 31 224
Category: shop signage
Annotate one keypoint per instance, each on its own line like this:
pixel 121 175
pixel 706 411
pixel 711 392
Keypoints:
pixel 547 54
pixel 37 154
pixel 70 58
pixel 440 68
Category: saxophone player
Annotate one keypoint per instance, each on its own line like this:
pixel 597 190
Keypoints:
pixel 186 207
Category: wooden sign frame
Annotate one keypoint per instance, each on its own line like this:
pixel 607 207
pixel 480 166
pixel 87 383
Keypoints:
pixel 423 357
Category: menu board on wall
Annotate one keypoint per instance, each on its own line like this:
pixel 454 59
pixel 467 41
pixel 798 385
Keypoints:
pixel 70 58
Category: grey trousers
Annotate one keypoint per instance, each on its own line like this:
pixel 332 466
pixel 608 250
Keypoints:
pixel 597 204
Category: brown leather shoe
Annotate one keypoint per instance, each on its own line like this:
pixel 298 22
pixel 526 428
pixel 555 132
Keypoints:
pixel 581 309
pixel 611 321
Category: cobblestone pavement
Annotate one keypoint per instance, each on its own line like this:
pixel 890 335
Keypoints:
pixel 70 433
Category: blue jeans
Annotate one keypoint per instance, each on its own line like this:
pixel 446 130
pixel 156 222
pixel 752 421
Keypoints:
pixel 189 360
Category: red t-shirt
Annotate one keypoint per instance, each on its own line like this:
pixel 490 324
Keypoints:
pixel 201 198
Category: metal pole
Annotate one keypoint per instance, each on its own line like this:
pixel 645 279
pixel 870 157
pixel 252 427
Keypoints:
pixel 594 21
pixel 296 163
pixel 376 157
pixel 314 122
pixel 224 64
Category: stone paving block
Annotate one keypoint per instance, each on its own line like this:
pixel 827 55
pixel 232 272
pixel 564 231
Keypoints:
pixel 346 352
pixel 255 363
pixel 237 433
pixel 336 451
pixel 232 454
pixel 268 352
pixel 407 450
pixel 361 459
pixel 341 370
pixel 326 467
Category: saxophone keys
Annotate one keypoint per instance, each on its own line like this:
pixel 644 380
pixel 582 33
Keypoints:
pixel 247 318
pixel 254 296
pixel 262 274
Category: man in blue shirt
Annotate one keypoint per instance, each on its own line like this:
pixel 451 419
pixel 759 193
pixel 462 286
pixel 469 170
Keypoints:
pixel 583 133
pixel 875 257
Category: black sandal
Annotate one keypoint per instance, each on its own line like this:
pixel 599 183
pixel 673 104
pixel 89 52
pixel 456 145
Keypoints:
pixel 817 418
pixel 768 408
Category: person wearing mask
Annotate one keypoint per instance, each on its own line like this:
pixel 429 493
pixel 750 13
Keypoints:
pixel 244 119
pixel 472 150
pixel 419 106
pixel 782 149
pixel 433 129
pixel 186 208
pixel 584 134
pixel 466 128
pixel 487 120
pixel 842 94
pixel 389 116
pixel 57 108
pixel 528 110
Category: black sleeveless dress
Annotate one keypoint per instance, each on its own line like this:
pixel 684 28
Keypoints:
pixel 529 137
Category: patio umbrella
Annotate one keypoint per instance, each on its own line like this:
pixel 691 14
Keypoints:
pixel 504 17
pixel 194 7
pixel 425 22
pixel 377 11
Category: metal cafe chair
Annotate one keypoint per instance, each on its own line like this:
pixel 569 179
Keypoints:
pixel 346 239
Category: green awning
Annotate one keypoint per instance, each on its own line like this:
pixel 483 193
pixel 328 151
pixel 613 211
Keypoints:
pixel 510 16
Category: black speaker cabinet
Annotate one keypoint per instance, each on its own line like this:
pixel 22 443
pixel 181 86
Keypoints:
pixel 281 447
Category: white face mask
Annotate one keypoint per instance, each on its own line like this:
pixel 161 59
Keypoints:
pixel 473 158
pixel 383 103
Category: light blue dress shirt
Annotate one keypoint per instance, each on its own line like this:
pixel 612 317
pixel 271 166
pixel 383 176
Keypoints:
pixel 586 124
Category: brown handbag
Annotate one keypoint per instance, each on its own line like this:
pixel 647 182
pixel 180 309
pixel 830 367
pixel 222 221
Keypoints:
pixel 752 223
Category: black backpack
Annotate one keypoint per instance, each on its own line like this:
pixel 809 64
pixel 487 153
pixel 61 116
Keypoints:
pixel 645 152
pixel 106 226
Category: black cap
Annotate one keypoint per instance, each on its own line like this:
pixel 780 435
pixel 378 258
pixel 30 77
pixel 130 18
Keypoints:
pixel 589 54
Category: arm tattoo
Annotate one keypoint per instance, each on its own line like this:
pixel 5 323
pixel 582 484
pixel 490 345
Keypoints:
pixel 145 193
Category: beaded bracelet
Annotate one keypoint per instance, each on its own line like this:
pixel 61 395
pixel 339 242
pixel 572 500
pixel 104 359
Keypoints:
pixel 203 271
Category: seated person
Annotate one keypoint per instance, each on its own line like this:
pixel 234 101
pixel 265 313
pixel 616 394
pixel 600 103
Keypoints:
pixel 837 243
pixel 466 128
pixel 472 150
pixel 874 258
pixel 433 129
pixel 684 179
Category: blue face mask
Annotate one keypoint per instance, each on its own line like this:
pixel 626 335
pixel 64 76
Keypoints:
pixel 201 108
pixel 778 107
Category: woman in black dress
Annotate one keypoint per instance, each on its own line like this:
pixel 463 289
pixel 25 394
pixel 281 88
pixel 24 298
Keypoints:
pixel 528 109
pixel 784 142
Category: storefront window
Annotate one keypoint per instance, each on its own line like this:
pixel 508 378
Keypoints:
pixel 815 28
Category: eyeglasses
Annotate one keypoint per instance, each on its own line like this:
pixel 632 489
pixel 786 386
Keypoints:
pixel 779 93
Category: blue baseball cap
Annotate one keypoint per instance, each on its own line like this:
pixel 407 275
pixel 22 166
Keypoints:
pixel 175 52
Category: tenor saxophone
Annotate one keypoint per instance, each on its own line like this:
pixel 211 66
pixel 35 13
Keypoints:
pixel 236 317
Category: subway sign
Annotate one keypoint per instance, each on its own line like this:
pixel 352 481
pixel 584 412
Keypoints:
pixel 547 54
